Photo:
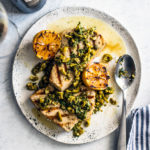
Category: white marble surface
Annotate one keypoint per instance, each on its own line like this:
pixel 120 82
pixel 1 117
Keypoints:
pixel 15 131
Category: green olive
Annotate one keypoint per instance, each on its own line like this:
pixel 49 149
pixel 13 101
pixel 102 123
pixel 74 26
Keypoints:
pixel 87 123
pixel 109 90
pixel 112 101
pixel 41 100
pixel 106 58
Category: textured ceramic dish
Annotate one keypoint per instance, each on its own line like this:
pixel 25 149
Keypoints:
pixel 103 123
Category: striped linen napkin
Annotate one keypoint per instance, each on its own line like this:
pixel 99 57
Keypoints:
pixel 139 136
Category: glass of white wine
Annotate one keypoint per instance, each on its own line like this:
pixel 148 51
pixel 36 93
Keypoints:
pixel 9 36
pixel 3 22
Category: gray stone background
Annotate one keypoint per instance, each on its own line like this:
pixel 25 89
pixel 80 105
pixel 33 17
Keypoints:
pixel 15 131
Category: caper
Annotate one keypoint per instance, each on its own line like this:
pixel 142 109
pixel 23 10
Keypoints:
pixel 69 108
pixel 43 66
pixel 31 86
pixel 33 78
pixel 35 71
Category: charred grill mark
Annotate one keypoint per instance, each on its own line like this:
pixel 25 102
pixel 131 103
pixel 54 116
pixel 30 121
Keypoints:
pixel 65 115
pixel 99 42
pixel 52 117
pixel 107 77
pixel 105 84
pixel 87 70
pixel 77 46
pixel 77 49
pixel 90 97
pixel 70 50
pixel 94 44
pixel 58 74
pixel 48 47
pixel 91 73
pixel 49 56
pixel 53 108
pixel 97 77
pixel 56 37
pixel 41 35
pixel 66 124
pixel 65 66
pixel 92 86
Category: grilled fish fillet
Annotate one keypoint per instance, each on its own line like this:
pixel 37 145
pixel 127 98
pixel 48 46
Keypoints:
pixel 68 119
pixel 56 77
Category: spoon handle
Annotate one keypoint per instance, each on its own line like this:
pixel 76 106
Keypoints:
pixel 122 133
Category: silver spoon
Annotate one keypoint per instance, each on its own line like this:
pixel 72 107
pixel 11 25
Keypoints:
pixel 124 76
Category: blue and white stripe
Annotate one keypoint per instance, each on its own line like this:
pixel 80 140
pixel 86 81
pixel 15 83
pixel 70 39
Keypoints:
pixel 139 138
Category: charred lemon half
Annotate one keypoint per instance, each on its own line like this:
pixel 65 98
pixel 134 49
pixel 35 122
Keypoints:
pixel 96 77
pixel 46 44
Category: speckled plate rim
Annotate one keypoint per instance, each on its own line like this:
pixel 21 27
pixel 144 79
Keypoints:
pixel 123 30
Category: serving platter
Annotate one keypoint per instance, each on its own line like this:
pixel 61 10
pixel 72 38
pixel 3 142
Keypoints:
pixel 102 123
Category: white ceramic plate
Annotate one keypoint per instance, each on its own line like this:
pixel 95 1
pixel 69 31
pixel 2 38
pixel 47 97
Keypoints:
pixel 103 123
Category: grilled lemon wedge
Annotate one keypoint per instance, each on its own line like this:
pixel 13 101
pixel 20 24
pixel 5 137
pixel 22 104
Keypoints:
pixel 46 44
pixel 96 77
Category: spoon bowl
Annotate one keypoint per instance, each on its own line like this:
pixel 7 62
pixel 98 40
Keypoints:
pixel 125 71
